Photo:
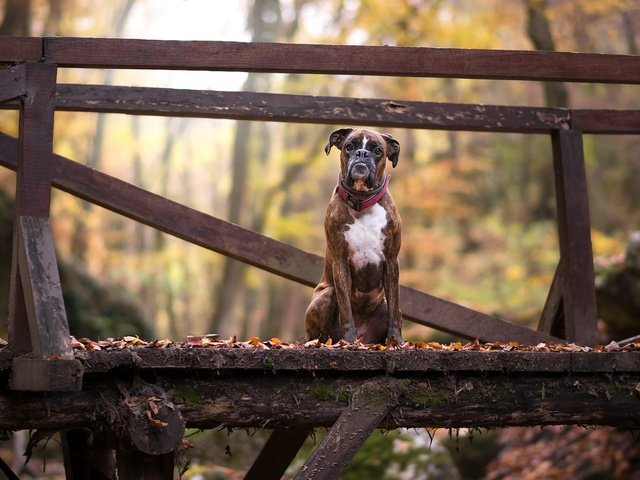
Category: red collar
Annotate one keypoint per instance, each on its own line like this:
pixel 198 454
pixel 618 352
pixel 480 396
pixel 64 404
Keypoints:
pixel 355 199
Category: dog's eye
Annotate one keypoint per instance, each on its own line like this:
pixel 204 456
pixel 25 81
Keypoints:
pixel 378 151
pixel 349 147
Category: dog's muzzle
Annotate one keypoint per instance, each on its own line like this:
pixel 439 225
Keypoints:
pixel 361 168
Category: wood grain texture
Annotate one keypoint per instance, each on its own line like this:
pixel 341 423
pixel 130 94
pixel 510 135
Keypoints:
pixel 308 109
pixel 20 49
pixel 342 60
pixel 38 265
pixel 13 82
pixel 529 389
pixel 574 231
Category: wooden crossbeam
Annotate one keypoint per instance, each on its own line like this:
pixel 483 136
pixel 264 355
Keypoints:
pixel 341 59
pixel 332 110
pixel 256 249
pixel 308 109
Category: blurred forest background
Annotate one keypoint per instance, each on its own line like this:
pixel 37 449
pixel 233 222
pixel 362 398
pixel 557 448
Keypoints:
pixel 478 208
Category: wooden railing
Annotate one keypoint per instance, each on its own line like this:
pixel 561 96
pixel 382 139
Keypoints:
pixel 570 309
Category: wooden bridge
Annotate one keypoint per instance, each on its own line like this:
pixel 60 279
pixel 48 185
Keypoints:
pixel 136 401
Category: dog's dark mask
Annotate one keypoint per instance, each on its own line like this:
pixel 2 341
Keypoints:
pixel 362 154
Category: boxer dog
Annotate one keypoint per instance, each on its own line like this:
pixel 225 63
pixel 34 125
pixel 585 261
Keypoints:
pixel 357 297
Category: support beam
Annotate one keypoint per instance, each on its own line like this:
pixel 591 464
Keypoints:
pixel 278 453
pixel 311 387
pixel 33 185
pixel 41 286
pixel 552 317
pixel 368 406
pixel 579 300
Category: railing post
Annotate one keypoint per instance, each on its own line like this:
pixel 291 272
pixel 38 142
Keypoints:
pixel 38 327
pixel 570 310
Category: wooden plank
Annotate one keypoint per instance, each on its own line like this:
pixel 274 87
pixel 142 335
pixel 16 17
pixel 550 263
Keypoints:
pixel 46 375
pixel 38 266
pixel 579 301
pixel 296 399
pixel 606 121
pixel 368 406
pixel 552 317
pixel 342 59
pixel 12 82
pixel 20 49
pixel 351 360
pixel 33 184
pixel 278 453
pixel 256 249
pixel 308 109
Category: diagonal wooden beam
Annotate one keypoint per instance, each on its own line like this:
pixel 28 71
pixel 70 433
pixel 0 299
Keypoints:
pixel 578 292
pixel 367 408
pixel 278 453
pixel 552 317
pixel 255 249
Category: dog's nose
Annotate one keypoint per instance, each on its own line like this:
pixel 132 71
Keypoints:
pixel 363 154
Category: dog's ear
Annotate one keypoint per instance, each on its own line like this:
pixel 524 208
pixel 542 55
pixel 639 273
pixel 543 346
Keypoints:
pixel 337 138
pixel 393 149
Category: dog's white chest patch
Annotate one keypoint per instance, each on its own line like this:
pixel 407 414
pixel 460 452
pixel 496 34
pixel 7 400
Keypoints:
pixel 365 237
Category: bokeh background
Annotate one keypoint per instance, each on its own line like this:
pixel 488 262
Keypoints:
pixel 478 208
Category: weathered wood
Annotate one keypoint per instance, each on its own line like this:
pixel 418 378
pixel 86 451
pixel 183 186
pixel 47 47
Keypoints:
pixel 44 375
pixel 606 121
pixel 256 249
pixel 311 360
pixel 12 82
pixel 459 320
pixel 38 266
pixel 153 424
pixel 33 184
pixel 280 389
pixel 368 406
pixel 552 317
pixel 342 59
pixel 20 49
pixel 333 110
pixel 579 299
pixel 277 454
pixel 86 456
pixel 308 109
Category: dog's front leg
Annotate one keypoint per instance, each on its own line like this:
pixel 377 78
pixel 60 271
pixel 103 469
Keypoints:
pixel 391 289
pixel 342 282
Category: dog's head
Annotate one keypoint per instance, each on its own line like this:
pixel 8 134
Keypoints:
pixel 363 155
